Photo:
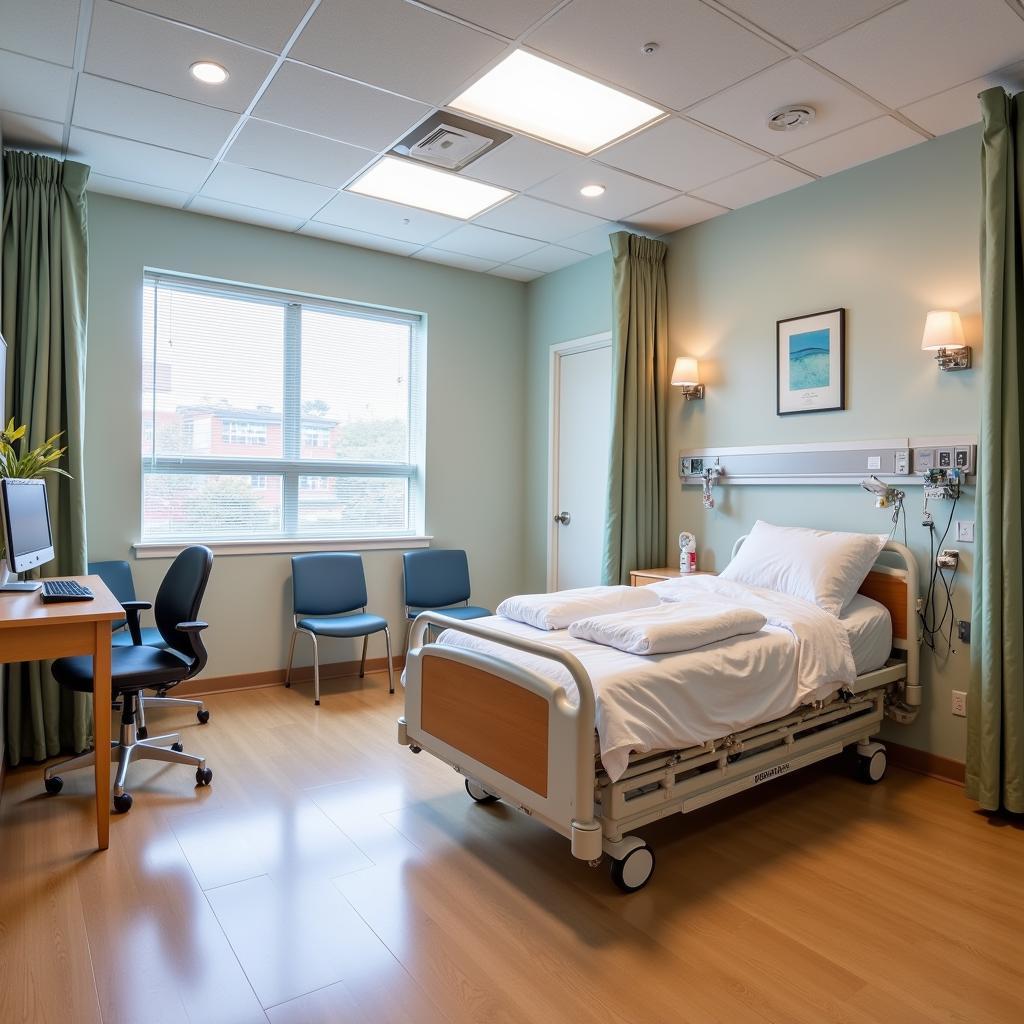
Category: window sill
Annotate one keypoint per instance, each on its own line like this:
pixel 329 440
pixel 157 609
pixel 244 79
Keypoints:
pixel 283 545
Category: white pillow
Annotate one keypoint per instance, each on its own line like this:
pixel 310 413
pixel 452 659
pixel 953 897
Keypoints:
pixel 819 566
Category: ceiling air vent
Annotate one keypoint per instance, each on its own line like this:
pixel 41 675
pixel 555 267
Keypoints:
pixel 789 119
pixel 449 141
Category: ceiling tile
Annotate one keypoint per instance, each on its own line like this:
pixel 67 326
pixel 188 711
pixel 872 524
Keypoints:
pixel 803 22
pixel 922 47
pixel 318 102
pixel 137 161
pixel 681 155
pixel 958 107
pixel 396 46
pixel 520 163
pixel 41 28
pixel 133 190
pixel 295 154
pixel 677 213
pixel 743 110
pixel 551 257
pixel 855 146
pixel 510 270
pixel 595 240
pixel 699 50
pixel 23 132
pixel 130 46
pixel 753 185
pixel 377 217
pixel 455 259
pixel 33 87
pixel 243 185
pixel 260 24
pixel 497 246
pixel 624 194
pixel 509 17
pixel 537 219
pixel 246 214
pixel 134 113
pixel 363 239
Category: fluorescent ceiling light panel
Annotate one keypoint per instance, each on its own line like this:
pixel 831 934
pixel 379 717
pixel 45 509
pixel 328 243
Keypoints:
pixel 543 99
pixel 428 188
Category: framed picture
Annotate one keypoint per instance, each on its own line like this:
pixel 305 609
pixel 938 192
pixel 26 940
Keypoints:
pixel 810 369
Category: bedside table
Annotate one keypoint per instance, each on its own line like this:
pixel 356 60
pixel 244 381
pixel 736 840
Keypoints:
pixel 642 577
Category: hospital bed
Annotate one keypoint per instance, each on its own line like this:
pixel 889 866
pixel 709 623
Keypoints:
pixel 516 735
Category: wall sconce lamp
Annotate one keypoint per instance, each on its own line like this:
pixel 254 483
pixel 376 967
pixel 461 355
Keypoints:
pixel 686 377
pixel 944 335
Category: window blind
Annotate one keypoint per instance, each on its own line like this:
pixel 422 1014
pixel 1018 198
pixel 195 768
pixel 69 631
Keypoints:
pixel 271 415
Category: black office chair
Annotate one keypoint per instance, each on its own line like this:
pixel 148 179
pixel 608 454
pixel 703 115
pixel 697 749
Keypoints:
pixel 117 575
pixel 142 667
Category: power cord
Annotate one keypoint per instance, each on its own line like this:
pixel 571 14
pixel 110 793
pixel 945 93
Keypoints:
pixel 932 625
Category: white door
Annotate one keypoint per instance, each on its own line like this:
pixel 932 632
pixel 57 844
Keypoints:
pixel 581 429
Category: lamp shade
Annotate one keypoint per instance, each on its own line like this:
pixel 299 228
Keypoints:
pixel 685 372
pixel 942 329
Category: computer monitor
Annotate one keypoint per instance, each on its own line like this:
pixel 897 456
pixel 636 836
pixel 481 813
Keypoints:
pixel 26 518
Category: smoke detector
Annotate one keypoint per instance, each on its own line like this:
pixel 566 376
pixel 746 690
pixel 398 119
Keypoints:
pixel 789 119
pixel 449 141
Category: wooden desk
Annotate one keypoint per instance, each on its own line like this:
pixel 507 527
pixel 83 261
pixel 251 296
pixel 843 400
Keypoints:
pixel 33 631
pixel 643 577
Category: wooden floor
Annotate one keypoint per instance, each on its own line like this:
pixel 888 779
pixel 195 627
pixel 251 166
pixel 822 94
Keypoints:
pixel 328 875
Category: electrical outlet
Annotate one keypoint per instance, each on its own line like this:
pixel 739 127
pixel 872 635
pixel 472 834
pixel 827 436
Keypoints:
pixel 959 704
pixel 948 558
pixel 965 531
pixel 963 631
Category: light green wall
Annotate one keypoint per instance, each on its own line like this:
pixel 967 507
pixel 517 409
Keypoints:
pixel 475 398
pixel 888 240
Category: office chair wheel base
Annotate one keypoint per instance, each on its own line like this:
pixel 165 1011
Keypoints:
pixel 203 714
pixel 204 776
pixel 122 803
pixel 54 785
pixel 634 871
pixel 178 747
pixel 479 794
pixel 142 733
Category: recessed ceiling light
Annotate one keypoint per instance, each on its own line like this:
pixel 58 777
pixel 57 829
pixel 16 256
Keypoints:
pixel 208 72
pixel 592 191
pixel 429 188
pixel 789 119
pixel 543 99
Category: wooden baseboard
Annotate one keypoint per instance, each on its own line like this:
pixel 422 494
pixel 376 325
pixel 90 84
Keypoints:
pixel 943 768
pixel 275 677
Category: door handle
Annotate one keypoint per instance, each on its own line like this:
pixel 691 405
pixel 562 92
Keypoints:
pixel 564 518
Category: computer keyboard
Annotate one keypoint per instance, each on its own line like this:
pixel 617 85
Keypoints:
pixel 65 590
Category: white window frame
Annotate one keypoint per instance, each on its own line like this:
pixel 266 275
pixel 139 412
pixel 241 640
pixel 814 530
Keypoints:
pixel 291 466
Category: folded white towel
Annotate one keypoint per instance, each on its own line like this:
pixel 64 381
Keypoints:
pixel 668 628
pixel 557 610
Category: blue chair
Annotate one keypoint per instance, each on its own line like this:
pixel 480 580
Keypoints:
pixel 117 575
pixel 437 580
pixel 327 588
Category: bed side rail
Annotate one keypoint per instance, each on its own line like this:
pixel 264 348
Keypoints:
pixel 511 729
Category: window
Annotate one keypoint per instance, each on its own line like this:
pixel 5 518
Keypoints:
pixel 275 416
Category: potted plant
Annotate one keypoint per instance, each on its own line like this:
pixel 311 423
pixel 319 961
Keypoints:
pixel 25 466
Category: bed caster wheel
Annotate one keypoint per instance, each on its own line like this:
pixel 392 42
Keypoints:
pixel 142 732
pixel 203 714
pixel 123 803
pixel 634 871
pixel 413 749
pixel 179 747
pixel 54 785
pixel 204 776
pixel 871 767
pixel 479 794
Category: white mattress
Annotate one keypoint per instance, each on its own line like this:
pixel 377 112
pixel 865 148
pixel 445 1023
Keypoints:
pixel 671 701
pixel 869 627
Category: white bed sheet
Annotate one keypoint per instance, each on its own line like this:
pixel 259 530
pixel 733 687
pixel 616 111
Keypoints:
pixel 869 627
pixel 669 701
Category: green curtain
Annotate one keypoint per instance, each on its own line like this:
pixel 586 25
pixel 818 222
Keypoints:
pixel 995 720
pixel 635 524
pixel 43 298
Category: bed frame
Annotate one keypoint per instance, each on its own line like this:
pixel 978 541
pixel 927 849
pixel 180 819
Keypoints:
pixel 516 736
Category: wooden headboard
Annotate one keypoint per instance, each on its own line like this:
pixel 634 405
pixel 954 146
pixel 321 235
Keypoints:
pixel 889 587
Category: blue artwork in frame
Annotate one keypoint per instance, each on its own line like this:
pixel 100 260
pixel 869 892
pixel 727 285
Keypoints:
pixel 811 362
